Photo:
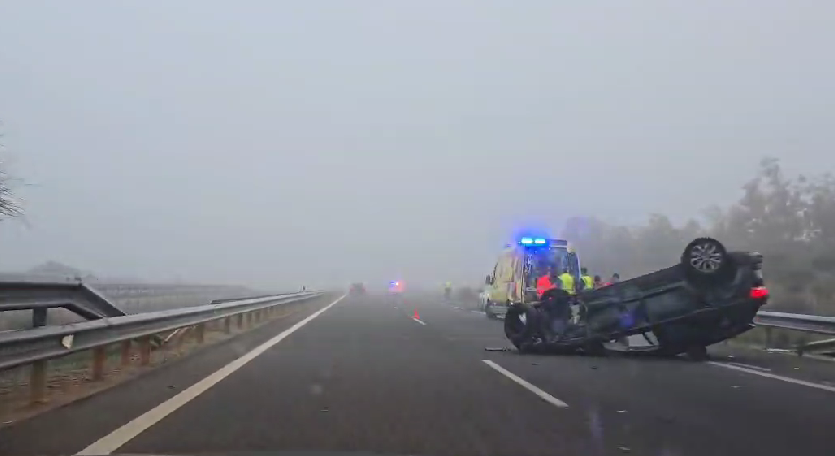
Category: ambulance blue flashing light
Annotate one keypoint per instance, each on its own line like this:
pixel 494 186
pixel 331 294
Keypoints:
pixel 528 241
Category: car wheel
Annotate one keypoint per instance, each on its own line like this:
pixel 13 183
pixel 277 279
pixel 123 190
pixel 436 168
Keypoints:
pixel 520 326
pixel 706 261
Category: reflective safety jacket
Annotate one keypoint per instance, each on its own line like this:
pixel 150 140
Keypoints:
pixel 567 281
pixel 588 282
pixel 543 284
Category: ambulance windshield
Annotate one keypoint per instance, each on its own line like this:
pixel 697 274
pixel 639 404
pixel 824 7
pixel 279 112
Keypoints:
pixel 556 260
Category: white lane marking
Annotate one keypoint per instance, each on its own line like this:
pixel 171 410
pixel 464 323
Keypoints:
pixel 831 389
pixel 748 366
pixel 124 434
pixel 525 384
pixel 419 321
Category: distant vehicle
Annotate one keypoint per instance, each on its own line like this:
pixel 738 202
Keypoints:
pixel 357 288
pixel 711 295
pixel 396 287
pixel 514 276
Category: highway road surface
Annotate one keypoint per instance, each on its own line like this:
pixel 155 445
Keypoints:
pixel 364 375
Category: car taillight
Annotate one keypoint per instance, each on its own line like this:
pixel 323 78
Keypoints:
pixel 759 292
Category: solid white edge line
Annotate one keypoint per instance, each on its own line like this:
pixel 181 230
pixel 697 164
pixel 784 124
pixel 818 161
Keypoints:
pixel 748 366
pixel 127 432
pixel 831 389
pixel 527 385
pixel 419 321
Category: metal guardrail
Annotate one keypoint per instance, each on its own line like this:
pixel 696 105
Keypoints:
pixel 37 346
pixel 45 294
pixel 97 299
pixel 812 324
pixel 47 342
pixel 799 322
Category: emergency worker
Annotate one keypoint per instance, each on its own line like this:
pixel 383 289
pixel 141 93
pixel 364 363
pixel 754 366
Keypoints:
pixel 546 282
pixel 587 281
pixel 567 282
pixel 447 289
pixel 598 282
pixel 615 279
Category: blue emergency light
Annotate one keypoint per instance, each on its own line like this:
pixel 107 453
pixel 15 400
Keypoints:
pixel 543 242
pixel 533 241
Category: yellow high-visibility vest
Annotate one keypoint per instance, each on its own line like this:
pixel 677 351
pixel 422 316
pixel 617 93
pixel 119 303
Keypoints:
pixel 567 282
pixel 588 282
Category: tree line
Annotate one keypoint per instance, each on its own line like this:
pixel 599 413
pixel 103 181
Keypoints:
pixel 789 219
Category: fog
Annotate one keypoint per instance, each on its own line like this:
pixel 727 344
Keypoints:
pixel 277 143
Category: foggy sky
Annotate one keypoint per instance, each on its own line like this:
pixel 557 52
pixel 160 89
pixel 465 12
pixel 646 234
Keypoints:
pixel 277 143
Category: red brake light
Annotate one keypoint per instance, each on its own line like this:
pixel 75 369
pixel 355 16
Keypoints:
pixel 759 292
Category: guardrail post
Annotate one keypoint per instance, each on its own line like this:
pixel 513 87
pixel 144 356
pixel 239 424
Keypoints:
pixel 145 350
pixel 99 355
pixel 37 376
pixel 200 332
pixel 240 321
pixel 39 317
pixel 801 345
pixel 125 352
pixel 37 383
pixel 227 325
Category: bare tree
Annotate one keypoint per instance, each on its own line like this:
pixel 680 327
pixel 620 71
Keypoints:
pixel 9 205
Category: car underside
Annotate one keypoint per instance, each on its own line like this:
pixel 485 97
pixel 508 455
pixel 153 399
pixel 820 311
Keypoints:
pixel 710 296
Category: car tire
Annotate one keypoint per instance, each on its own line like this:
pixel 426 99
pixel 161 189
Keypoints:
pixel 705 261
pixel 521 334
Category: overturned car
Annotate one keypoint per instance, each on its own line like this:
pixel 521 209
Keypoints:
pixel 710 296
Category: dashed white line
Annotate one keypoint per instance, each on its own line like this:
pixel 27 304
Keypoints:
pixel 124 434
pixel 831 389
pixel 527 385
